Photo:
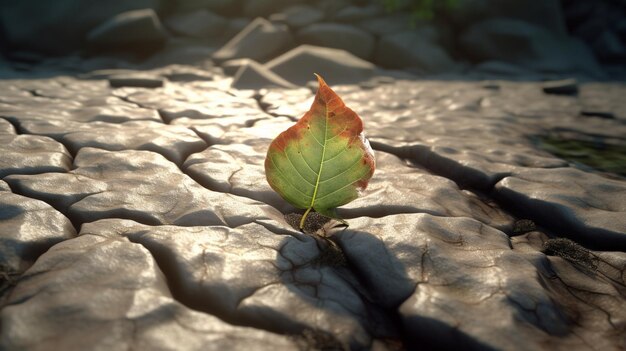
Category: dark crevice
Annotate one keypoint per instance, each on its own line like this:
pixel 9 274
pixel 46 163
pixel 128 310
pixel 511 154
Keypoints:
pixel 550 219
pixel 265 108
pixel 167 264
pixel 208 139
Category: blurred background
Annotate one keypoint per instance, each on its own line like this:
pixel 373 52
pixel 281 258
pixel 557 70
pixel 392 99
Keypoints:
pixel 514 39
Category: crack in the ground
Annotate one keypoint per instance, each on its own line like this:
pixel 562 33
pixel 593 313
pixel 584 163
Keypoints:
pixel 474 181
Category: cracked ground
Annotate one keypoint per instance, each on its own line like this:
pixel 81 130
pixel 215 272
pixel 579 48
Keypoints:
pixel 140 218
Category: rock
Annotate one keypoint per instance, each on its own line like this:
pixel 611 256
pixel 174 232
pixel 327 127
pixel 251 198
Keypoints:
pixel 28 228
pixel 201 24
pixel 173 142
pixel 254 276
pixel 260 41
pixel 387 24
pixel 597 113
pixel 292 103
pixel 235 25
pixel 416 48
pixel 585 207
pixel 338 36
pixel 223 7
pixel 231 67
pixel 71 99
pixel 358 13
pixel 194 102
pixel 264 8
pixel 98 292
pixel 252 75
pixel 561 87
pixel 141 185
pixel 410 190
pixel 504 69
pixel 545 14
pixel 606 98
pixel 338 66
pixel 298 16
pixel 184 73
pixel 6 127
pixel 64 23
pixel 609 48
pixel 236 168
pixel 529 46
pixel 181 52
pixel 30 154
pixel 138 31
pixel 443 276
pixel 141 81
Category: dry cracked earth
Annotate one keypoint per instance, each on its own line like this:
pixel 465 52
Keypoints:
pixel 139 218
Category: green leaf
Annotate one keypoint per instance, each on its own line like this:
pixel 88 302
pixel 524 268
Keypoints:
pixel 323 160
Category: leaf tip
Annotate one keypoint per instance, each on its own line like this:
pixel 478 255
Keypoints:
pixel 320 80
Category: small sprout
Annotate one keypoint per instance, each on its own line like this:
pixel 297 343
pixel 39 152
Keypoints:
pixel 328 174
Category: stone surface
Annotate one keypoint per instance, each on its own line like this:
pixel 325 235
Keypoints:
pixel 387 24
pixel 416 48
pixel 253 75
pixel 546 14
pixel 238 168
pixel 527 45
pixel 197 24
pixel 173 142
pixel 139 185
pixel 28 228
pixel 30 154
pixel 260 40
pixel 64 23
pixel 135 80
pixel 138 31
pixel 69 99
pixel 589 207
pixel 231 67
pixel 6 127
pixel 298 16
pixel 107 292
pixel 338 66
pixel 338 36
pixel 263 8
pixel 252 276
pixel 358 13
pixel 474 233
pixel 444 276
pixel 561 87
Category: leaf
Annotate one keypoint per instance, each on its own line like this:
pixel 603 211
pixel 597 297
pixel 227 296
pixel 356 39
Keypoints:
pixel 323 160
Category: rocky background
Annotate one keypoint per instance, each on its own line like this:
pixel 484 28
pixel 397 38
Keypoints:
pixel 134 211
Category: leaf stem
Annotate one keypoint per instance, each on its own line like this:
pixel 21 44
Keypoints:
pixel 304 217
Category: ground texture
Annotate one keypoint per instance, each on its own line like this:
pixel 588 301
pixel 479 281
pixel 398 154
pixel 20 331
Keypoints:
pixel 134 214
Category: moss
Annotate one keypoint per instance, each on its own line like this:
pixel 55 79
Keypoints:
pixel 314 223
pixel 523 226
pixel 316 339
pixel 597 154
pixel 571 251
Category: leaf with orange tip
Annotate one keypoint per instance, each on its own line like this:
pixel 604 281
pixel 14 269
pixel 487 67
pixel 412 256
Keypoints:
pixel 323 160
